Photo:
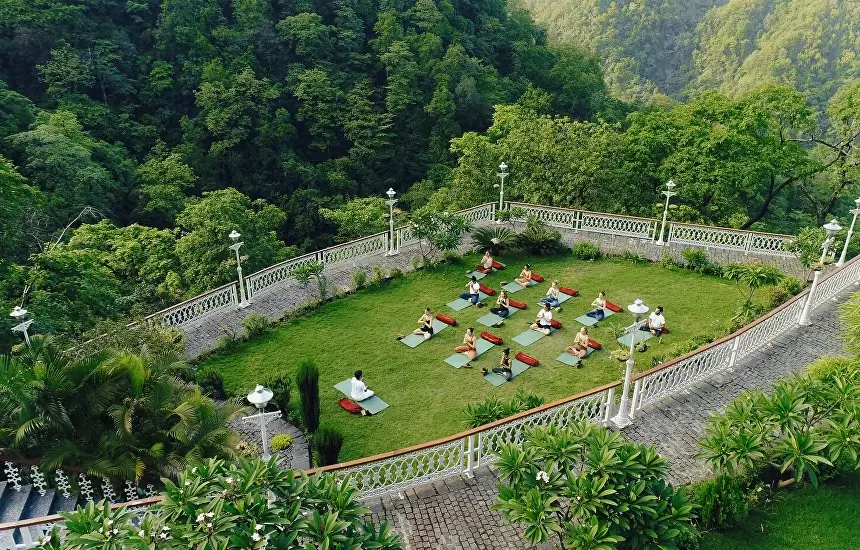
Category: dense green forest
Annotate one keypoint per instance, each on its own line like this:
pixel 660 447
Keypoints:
pixel 164 124
pixel 677 48
pixel 136 134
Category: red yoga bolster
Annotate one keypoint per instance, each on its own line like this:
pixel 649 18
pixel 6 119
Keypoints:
pixel 594 344
pixel 349 406
pixel 490 337
pixel 518 305
pixel 537 278
pixel 497 265
pixel 447 320
pixel 612 307
pixel 569 291
pixel 530 361
pixel 487 290
pixel 555 324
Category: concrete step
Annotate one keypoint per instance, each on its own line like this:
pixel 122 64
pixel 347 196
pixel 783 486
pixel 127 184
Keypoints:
pixel 64 504
pixel 38 507
pixel 3 489
pixel 13 503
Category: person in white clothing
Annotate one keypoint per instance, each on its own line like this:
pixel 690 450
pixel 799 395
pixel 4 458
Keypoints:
pixel 656 322
pixel 543 323
pixel 474 293
pixel 359 390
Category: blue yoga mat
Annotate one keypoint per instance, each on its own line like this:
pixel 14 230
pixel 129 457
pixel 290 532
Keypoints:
pixel 568 359
pixel 641 336
pixel 491 319
pixel 517 367
pixel 372 405
pixel 476 274
pixel 528 337
pixel 459 360
pixel 413 340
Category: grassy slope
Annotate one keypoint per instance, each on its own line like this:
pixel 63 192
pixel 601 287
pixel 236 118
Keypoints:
pixel 427 396
pixel 823 519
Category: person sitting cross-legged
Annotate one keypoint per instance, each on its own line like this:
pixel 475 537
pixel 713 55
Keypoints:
pixel 525 278
pixel 426 322
pixel 551 295
pixel 543 321
pixel 655 322
pixel 580 344
pixel 503 305
pixel 504 368
pixel 599 305
pixel 359 390
pixel 486 265
pixel 469 346
pixel 474 292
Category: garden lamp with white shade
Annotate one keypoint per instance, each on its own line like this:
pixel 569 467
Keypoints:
pixel 638 309
pixel 854 211
pixel 260 397
pixel 831 228
pixel 392 249
pixel 503 173
pixel 20 314
pixel 234 236
pixel 669 194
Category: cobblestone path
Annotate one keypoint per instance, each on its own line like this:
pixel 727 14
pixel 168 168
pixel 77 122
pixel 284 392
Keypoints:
pixel 454 514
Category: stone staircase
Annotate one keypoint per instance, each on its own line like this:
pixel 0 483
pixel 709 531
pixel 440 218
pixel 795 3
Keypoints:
pixel 27 493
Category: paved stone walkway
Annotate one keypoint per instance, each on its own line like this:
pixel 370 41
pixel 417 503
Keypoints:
pixel 295 457
pixel 454 513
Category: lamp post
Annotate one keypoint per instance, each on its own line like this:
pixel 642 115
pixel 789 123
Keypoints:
pixel 503 173
pixel 669 194
pixel 234 236
pixel 855 211
pixel 260 397
pixel 19 313
pixel 392 250
pixel 831 228
pixel 622 419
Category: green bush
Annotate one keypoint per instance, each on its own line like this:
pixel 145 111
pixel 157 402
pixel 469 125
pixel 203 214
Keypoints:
pixel 256 325
pixel 281 387
pixel 452 256
pixel 379 275
pixel 247 450
pixel 696 259
pixel 722 502
pixel 666 261
pixel 281 442
pixel 395 273
pixel 630 256
pixel 211 383
pixel 308 382
pixel 359 278
pixel 586 251
pixel 827 367
pixel 539 240
pixel 327 443
pixel 492 408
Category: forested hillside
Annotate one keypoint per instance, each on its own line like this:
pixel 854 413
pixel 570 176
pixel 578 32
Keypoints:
pixel 682 47
pixel 163 124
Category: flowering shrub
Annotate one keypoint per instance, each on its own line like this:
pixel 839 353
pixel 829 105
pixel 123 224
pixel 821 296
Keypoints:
pixel 590 488
pixel 238 506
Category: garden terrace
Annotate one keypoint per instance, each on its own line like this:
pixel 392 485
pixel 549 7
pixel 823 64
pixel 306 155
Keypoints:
pixel 427 396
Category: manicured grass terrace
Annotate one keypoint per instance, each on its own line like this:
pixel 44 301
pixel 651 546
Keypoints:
pixel 427 396
pixel 807 518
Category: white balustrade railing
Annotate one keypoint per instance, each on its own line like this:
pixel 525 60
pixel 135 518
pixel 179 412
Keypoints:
pixel 730 239
pixel 462 453
pixel 682 373
pixel 367 246
pixel 404 237
pixel 273 276
pixel 196 308
pixel 550 215
pixel 480 213
pixel 627 226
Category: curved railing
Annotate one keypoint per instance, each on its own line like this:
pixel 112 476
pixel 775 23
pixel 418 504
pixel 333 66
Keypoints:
pixel 680 374
pixel 730 239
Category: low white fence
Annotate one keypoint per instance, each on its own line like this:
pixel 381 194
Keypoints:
pixel 275 276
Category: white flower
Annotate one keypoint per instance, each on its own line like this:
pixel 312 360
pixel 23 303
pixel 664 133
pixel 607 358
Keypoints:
pixel 101 530
pixel 163 536
pixel 543 476
pixel 141 533
pixel 256 537
pixel 201 518
pixel 165 528
pixel 187 483
pixel 209 526
pixel 210 514
pixel 759 489
pixel 194 470
pixel 229 480
pixel 109 522
pixel 258 527
pixel 115 531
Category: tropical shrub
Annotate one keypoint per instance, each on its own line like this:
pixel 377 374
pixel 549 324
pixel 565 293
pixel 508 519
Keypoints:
pixel 211 383
pixel 493 238
pixel 281 387
pixel 239 506
pixel 696 259
pixel 492 408
pixel 722 502
pixel 281 442
pixel 589 488
pixel 804 425
pixel 379 275
pixel 327 443
pixel 751 277
pixel 452 256
pixel 246 450
pixel 630 256
pixel 359 278
pixel 586 251
pixel 540 240
pixel 438 231
pixel 308 382
pixel 256 324
pixel 313 271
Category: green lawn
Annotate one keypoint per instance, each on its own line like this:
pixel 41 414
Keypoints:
pixel 827 518
pixel 427 396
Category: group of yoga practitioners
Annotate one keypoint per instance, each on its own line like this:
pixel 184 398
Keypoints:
pixel 542 323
